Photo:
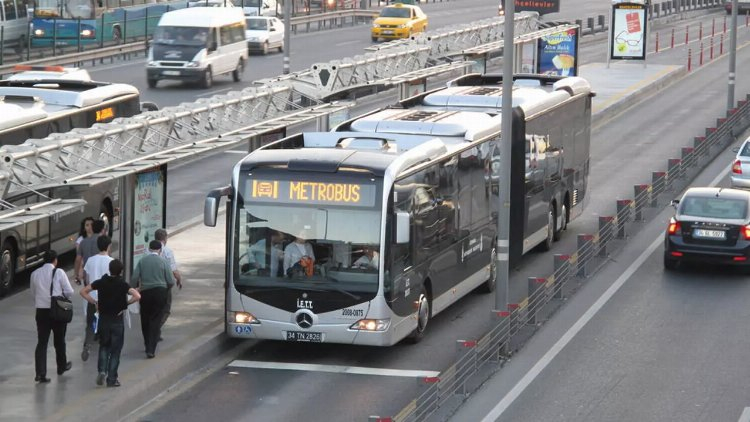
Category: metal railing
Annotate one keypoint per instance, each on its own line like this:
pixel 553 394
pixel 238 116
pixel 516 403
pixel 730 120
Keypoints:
pixel 476 360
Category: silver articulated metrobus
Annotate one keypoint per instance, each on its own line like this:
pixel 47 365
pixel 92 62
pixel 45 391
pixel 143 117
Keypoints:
pixel 363 234
pixel 33 108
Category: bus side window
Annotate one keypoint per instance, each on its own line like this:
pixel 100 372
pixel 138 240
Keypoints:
pixel 21 9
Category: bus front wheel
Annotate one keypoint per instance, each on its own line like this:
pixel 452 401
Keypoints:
pixel 423 317
pixel 7 267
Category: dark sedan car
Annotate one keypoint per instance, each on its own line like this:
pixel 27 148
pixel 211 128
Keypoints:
pixel 710 225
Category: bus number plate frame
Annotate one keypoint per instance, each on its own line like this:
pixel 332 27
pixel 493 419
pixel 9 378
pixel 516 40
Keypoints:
pixel 304 336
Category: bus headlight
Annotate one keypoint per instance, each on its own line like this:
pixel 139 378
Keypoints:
pixel 371 325
pixel 245 318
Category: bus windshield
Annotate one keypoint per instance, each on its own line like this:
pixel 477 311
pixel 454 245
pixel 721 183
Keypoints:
pixel 307 246
pixel 65 9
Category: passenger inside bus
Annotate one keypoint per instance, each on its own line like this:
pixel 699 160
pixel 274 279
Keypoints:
pixel 370 259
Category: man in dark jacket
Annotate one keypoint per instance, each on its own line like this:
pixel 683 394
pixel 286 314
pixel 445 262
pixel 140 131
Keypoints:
pixel 112 304
pixel 153 276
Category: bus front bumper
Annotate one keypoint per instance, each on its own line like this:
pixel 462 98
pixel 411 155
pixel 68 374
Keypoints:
pixel 321 333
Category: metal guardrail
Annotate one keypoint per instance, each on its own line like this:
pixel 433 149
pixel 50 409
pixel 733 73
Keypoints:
pixel 477 359
pixel 330 19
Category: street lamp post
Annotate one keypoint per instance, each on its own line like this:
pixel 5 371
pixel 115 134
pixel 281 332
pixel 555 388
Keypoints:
pixel 732 57
pixel 287 34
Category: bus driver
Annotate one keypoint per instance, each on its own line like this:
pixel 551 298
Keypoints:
pixel 299 252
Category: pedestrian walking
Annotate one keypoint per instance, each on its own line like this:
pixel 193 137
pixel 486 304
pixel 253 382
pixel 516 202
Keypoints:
pixel 152 276
pixel 166 252
pixel 96 267
pixel 86 250
pixel 87 229
pixel 46 282
pixel 112 304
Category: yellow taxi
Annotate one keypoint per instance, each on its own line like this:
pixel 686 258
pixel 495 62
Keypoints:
pixel 398 21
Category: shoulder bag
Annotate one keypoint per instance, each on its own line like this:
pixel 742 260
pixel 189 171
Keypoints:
pixel 61 308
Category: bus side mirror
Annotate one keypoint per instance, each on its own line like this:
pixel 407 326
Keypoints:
pixel 211 205
pixel 402 228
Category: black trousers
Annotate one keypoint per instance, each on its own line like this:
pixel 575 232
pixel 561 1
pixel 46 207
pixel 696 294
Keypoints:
pixel 44 325
pixel 153 303
pixel 167 306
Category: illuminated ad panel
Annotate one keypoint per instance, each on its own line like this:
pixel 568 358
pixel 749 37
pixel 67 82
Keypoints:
pixel 628 37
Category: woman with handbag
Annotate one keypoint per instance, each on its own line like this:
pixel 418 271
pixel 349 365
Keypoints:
pixel 51 290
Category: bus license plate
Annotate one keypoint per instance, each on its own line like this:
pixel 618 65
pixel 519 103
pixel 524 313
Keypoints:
pixel 711 234
pixel 171 73
pixel 304 336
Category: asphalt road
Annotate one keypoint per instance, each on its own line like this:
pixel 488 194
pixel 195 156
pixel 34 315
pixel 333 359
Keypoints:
pixel 646 135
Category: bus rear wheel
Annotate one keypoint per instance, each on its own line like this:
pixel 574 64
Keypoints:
pixel 7 267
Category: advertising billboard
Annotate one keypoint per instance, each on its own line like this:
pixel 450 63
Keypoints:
pixel 557 54
pixel 149 209
pixel 628 36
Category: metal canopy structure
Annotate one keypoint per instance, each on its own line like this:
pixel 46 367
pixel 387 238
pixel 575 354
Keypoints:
pixel 19 216
pixel 397 57
pixel 107 151
pixel 530 36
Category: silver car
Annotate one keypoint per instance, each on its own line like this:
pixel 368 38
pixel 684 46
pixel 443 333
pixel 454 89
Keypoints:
pixel 741 166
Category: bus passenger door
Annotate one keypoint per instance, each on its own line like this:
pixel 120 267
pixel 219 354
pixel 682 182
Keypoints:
pixel 536 206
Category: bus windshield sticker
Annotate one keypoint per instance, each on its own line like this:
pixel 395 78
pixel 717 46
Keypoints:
pixel 318 193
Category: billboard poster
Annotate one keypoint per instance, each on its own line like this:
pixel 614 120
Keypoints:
pixel 149 209
pixel 628 37
pixel 557 54
pixel 542 7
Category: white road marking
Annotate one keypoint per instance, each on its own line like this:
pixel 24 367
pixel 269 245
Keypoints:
pixel 216 91
pixel 234 151
pixel 337 369
pixel 530 376
pixel 348 43
pixel 745 416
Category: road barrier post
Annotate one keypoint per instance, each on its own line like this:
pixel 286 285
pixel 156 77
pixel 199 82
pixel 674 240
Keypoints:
pixel 721 45
pixel 535 287
pixel 640 197
pixel 690 60
pixel 657 42
pixel 713 26
pixel 699 143
pixel 673 170
pixel 584 251
pixel 700 61
pixel 700 31
pixel 466 353
pixel 687 158
pixel 624 207
pixel 562 274
pixel 687 34
pixel 658 182
pixel 712 49
pixel 672 43
pixel 605 233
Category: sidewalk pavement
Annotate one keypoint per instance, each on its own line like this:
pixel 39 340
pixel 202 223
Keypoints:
pixel 193 335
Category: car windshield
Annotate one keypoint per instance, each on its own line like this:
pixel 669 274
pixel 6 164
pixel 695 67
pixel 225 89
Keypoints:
pixel 713 207
pixel 395 12
pixel 246 3
pixel 180 35
pixel 257 24
pixel 745 152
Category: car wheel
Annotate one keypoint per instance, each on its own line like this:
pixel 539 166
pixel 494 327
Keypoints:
pixel 239 71
pixel 423 317
pixel 152 83
pixel 7 268
pixel 281 47
pixel 374 39
pixel 265 48
pixel 563 222
pixel 208 78
pixel 670 263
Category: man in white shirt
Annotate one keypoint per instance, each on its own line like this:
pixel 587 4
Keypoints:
pixel 95 267
pixel 41 280
pixel 161 235
pixel 256 254
pixel 295 251
pixel 369 259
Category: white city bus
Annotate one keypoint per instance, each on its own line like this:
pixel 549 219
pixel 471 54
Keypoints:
pixel 361 235
pixel 34 109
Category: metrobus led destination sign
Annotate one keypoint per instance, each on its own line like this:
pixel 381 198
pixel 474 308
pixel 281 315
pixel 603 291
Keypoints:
pixel 316 193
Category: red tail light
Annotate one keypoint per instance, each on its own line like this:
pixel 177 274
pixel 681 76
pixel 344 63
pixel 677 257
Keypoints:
pixel 674 226
pixel 737 167
pixel 746 232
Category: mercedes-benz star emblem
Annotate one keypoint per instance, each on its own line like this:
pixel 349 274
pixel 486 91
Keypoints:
pixel 304 320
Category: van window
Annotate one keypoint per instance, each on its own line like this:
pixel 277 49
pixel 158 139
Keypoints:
pixel 232 34
pixel 10 10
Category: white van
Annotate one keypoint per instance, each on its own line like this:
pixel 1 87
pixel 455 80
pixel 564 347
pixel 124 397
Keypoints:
pixel 196 44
